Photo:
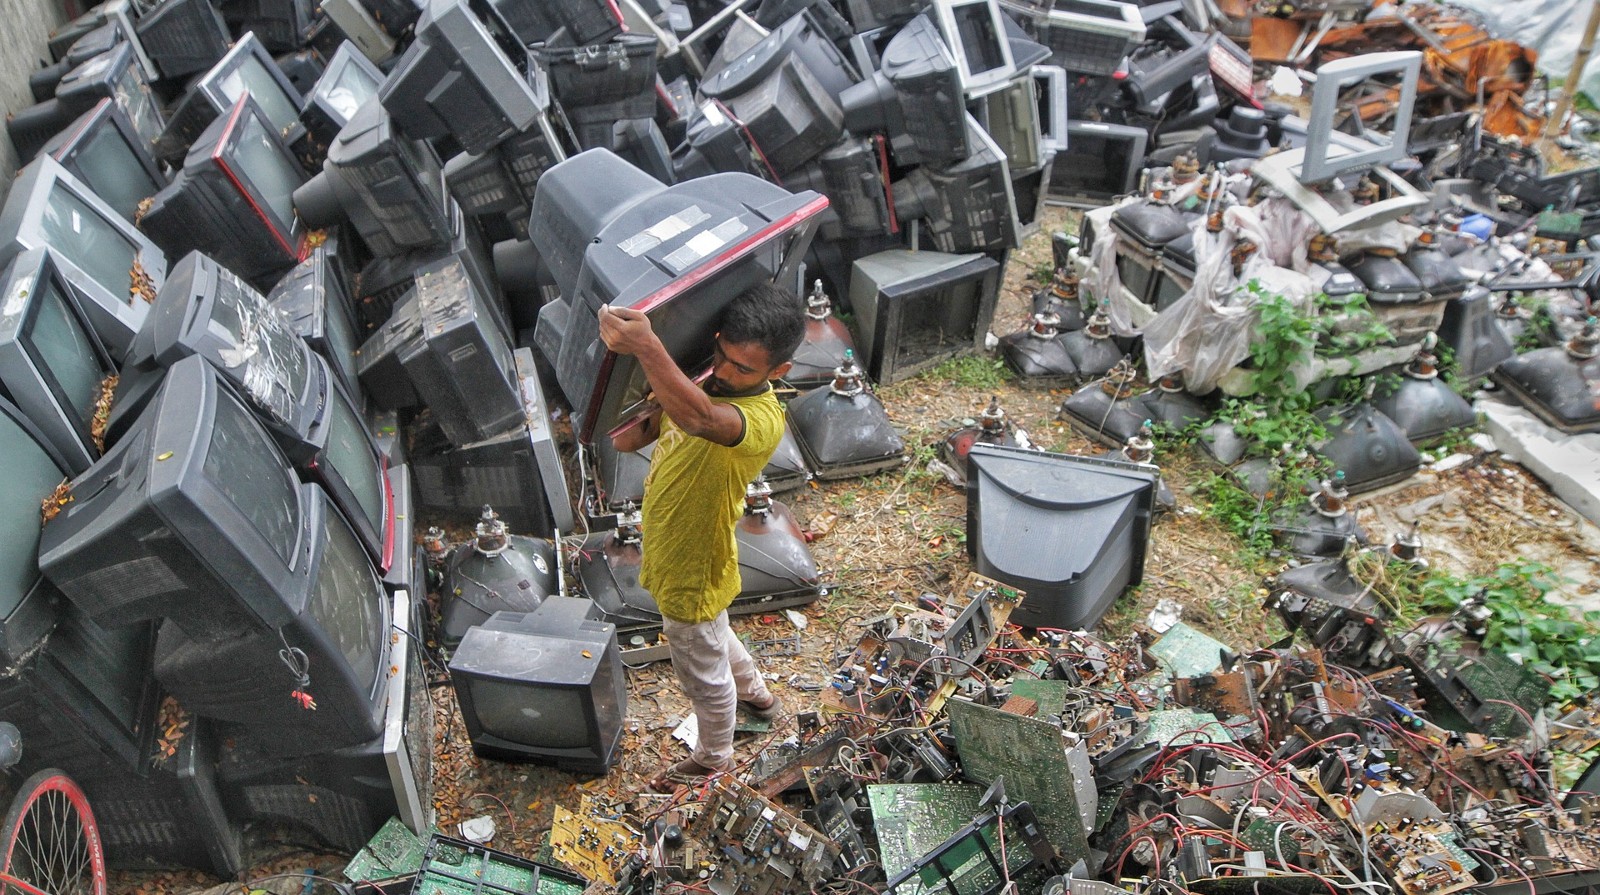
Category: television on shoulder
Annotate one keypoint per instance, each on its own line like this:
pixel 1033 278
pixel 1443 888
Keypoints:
pixel 598 223
pixel 915 309
pixel 1100 163
pixel 348 81
pixel 195 517
pixel 205 310
pixel 113 269
pixel 233 200
pixel 52 365
pixel 387 185
pixel 465 76
pixel 114 74
pixel 248 68
pixel 543 686
pixel 183 37
pixel 103 150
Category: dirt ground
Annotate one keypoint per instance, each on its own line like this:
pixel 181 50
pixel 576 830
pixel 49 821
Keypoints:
pixel 901 533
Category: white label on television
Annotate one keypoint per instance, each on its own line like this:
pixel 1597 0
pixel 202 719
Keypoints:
pixel 662 230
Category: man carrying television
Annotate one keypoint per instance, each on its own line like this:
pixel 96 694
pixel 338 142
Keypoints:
pixel 711 442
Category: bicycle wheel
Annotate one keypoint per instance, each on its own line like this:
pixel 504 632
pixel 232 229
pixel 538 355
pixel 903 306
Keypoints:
pixel 50 840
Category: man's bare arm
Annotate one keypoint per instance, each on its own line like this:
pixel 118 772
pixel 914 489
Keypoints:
pixel 639 436
pixel 627 331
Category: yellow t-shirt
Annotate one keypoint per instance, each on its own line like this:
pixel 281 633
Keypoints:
pixel 693 498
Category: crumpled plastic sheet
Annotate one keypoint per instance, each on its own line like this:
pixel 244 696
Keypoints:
pixel 1104 281
pixel 1552 27
pixel 1207 332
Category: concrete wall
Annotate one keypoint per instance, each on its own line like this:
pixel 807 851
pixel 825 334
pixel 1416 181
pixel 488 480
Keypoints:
pixel 24 27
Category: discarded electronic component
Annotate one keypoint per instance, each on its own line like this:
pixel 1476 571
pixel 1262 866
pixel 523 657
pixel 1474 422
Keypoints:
pixel 972 861
pixel 1069 583
pixel 776 568
pixel 1558 384
pixel 1421 404
pixel 451 866
pixel 916 309
pixel 591 841
pixel 826 341
pixel 993 427
pixel 765 850
pixel 843 429
pixel 1027 754
pixel 1368 447
pixel 1484 689
pixel 596 225
pixel 1409 837
pixel 543 686
pixel 1337 613
pixel 495 571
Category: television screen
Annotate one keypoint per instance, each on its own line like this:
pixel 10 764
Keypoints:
pixel 51 363
pixel 339 453
pixel 339 642
pixel 113 268
pixel 115 75
pixel 34 470
pixel 545 685
pixel 249 68
pixel 349 80
pixel 103 150
pixel 193 516
pixel 233 199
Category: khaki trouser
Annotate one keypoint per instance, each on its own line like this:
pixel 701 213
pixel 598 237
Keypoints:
pixel 716 671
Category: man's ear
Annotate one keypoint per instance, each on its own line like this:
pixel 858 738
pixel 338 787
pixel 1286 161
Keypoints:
pixel 781 370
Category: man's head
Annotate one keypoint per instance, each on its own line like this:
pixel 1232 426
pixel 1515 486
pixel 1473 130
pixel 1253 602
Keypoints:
pixel 759 334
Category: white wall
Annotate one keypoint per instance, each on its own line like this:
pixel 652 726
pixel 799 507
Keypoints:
pixel 24 27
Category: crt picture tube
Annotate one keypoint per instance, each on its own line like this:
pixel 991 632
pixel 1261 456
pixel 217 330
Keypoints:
pixel 242 464
pixel 30 477
pixel 532 716
pixel 66 351
pixel 348 601
pixel 350 455
pixel 268 168
pixel 90 241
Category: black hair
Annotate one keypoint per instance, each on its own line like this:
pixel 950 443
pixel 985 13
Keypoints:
pixel 768 315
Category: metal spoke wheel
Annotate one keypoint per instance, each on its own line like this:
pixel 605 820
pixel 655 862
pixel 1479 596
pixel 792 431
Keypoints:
pixel 50 842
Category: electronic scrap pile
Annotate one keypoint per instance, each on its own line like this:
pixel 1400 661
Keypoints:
pixel 955 753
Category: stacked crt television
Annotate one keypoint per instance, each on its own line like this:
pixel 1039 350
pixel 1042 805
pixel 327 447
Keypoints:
pixel 195 517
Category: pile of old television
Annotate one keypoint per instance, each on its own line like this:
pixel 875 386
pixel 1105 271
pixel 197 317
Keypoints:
pixel 291 293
